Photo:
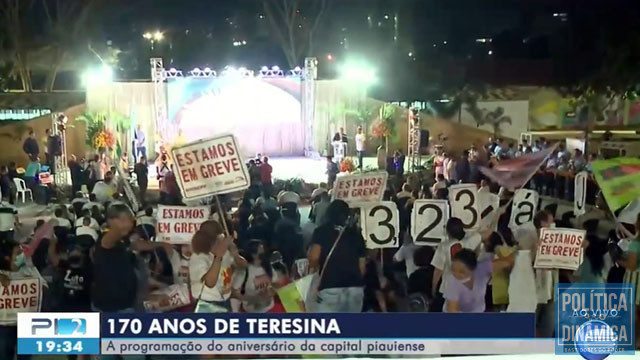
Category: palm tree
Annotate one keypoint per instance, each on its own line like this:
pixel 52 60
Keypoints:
pixel 494 118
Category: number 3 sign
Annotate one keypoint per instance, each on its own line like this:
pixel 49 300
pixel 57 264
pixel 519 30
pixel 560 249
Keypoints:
pixel 428 220
pixel 380 224
pixel 464 204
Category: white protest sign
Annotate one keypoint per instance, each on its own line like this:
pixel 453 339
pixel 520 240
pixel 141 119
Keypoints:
pixel 169 298
pixel 21 295
pixel 177 224
pixel 580 194
pixel 525 203
pixel 488 204
pixel 560 248
pixel 380 224
pixel 209 167
pixel 464 204
pixel 360 188
pixel 428 220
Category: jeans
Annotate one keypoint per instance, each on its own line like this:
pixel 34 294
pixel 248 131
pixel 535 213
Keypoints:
pixel 360 156
pixel 118 357
pixel 9 343
pixel 347 299
pixel 141 151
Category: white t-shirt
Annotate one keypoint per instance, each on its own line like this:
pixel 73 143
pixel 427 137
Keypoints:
pixel 103 191
pixel 527 236
pixel 288 196
pixel 442 258
pixel 405 253
pixel 94 224
pixel 257 280
pixel 87 230
pixel 180 267
pixel 146 220
pixel 63 222
pixel 360 139
pixel 199 264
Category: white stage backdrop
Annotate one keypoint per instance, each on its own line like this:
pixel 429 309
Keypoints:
pixel 263 113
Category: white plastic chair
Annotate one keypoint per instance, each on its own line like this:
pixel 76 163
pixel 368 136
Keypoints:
pixel 21 189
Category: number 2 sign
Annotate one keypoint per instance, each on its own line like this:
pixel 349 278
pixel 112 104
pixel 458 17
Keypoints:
pixel 464 204
pixel 380 224
pixel 428 221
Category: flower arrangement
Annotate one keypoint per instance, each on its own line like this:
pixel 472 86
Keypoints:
pixel 347 166
pixel 104 140
pixel 380 129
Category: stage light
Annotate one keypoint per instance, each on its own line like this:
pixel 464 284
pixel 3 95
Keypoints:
pixel 147 35
pixel 207 69
pixel 264 68
pixel 297 68
pixel 157 36
pixel 358 72
pixel 329 57
pixel 275 67
pixel 173 70
pixel 196 70
pixel 242 69
pixel 96 77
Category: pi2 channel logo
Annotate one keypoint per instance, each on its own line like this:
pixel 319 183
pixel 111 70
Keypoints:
pixel 595 320
pixel 58 333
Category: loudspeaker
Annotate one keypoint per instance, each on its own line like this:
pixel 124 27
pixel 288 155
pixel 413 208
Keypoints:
pixel 424 138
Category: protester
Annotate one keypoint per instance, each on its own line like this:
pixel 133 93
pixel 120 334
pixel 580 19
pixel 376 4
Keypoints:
pixel 60 219
pixel 337 250
pixel 31 173
pixel 142 177
pixel 265 173
pixel 255 290
pixel 360 139
pixel 211 268
pixel 332 171
pixel 88 227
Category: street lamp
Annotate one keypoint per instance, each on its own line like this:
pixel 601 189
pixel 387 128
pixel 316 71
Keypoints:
pixel 153 37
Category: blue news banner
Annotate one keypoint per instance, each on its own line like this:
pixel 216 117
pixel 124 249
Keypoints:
pixel 276 334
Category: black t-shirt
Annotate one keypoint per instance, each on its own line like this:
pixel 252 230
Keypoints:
pixel 114 279
pixel 142 172
pixel 343 268
pixel 76 287
pixel 420 281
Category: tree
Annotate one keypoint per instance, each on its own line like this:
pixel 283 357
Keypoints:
pixel 295 26
pixel 12 18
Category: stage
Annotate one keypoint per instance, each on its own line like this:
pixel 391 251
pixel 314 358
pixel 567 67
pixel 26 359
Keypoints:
pixel 313 171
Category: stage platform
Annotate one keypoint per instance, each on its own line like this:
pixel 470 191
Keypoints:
pixel 312 171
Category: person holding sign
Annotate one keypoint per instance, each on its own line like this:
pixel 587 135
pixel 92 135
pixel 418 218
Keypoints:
pixel 338 251
pixel 631 263
pixel 14 270
pixel 467 283
pixel 458 239
pixel 211 268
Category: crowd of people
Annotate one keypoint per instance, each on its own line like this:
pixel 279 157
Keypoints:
pixel 101 256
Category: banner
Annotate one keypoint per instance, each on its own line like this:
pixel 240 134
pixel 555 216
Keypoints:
pixel 360 188
pixel 560 248
pixel 515 173
pixel 580 193
pixel 21 295
pixel 177 224
pixel 209 167
pixel 619 180
pixel 167 299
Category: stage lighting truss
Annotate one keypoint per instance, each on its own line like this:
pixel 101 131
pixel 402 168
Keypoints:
pixel 273 72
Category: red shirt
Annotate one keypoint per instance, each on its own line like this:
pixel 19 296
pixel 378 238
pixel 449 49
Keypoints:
pixel 265 173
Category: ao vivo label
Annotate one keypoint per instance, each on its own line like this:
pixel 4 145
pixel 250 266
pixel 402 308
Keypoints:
pixel 360 188
pixel 58 333
pixel 209 167
pixel 560 248
pixel 177 224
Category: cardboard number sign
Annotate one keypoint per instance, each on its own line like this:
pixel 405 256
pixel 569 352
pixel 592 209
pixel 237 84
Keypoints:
pixel 428 220
pixel 525 203
pixel 580 194
pixel 489 204
pixel 380 224
pixel 464 204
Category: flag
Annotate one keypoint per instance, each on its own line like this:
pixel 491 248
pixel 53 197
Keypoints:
pixel 630 213
pixel 515 173
pixel 45 231
pixel 619 180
